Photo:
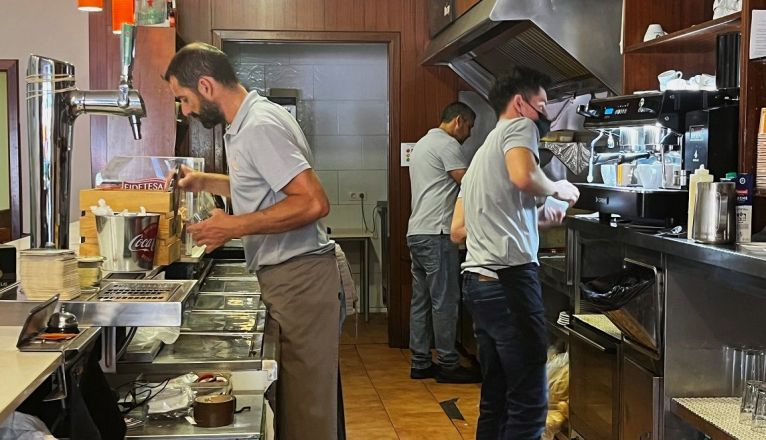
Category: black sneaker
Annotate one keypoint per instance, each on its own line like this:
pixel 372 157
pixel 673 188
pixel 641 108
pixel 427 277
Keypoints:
pixel 423 373
pixel 458 375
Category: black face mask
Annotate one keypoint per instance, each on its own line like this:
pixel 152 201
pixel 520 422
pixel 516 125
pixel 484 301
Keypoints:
pixel 543 124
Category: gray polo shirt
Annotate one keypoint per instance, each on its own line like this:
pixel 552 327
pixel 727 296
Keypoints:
pixel 265 150
pixel 434 191
pixel 501 219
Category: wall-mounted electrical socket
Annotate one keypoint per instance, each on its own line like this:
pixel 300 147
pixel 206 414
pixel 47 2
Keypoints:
pixel 356 196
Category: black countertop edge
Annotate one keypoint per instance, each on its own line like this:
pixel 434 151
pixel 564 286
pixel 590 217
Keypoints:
pixel 731 257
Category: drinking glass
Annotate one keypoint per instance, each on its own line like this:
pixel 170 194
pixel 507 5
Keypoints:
pixel 749 399
pixel 759 413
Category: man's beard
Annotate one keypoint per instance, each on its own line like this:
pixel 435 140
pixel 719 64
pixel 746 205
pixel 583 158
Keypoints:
pixel 209 114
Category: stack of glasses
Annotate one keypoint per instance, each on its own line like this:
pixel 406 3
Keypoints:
pixel 752 410
pixel 746 373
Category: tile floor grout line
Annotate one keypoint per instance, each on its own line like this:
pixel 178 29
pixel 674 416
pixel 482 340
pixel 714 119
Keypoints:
pixel 367 373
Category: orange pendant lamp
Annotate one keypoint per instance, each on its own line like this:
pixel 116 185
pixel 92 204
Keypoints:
pixel 90 5
pixel 123 11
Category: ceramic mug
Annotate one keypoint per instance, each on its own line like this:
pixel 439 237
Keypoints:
pixel 677 84
pixel 654 31
pixel 703 81
pixel 667 76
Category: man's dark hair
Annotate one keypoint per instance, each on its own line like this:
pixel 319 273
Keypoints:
pixel 521 81
pixel 456 109
pixel 196 60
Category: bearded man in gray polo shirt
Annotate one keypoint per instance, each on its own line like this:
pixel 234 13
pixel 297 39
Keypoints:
pixel 437 166
pixel 277 202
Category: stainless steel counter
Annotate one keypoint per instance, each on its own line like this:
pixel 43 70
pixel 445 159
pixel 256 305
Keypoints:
pixel 737 258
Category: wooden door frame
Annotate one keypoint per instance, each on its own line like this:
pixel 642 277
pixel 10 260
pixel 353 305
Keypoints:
pixel 11 69
pixel 397 318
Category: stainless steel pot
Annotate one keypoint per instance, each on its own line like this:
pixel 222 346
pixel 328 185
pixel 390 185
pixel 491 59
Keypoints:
pixel 714 215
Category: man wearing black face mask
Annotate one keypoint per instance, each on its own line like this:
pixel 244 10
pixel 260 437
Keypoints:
pixel 501 284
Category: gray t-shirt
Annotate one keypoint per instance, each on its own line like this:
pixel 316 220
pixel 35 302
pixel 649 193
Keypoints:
pixel 501 219
pixel 433 190
pixel 265 150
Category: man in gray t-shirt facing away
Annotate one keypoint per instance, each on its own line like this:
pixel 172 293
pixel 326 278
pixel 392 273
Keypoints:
pixel 501 281
pixel 278 202
pixel 437 166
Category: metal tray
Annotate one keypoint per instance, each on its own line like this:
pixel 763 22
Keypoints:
pixel 228 301
pixel 247 425
pixel 236 285
pixel 224 322
pixel 228 268
pixel 205 346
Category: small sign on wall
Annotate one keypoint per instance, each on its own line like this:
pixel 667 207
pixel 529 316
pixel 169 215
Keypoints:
pixel 407 153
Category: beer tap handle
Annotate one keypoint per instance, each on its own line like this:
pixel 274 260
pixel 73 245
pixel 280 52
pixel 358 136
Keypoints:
pixel 127 55
pixel 127 52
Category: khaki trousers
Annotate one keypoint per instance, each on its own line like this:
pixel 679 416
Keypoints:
pixel 302 296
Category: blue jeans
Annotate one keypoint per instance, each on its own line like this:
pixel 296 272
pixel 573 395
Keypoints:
pixel 435 297
pixel 511 336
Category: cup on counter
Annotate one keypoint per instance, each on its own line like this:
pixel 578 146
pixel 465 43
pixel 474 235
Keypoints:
pixel 667 76
pixel 625 173
pixel 743 364
pixel 649 175
pixel 759 413
pixel 749 400
pixel 609 174
pixel 654 31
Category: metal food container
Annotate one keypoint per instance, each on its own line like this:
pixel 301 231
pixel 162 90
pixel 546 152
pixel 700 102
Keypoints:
pixel 127 241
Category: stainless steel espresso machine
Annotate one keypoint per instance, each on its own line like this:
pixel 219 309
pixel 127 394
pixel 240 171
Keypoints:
pixel 648 144
pixel 53 105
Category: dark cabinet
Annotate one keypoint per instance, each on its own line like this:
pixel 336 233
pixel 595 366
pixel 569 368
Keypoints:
pixel 440 14
pixel 641 402
pixel 594 383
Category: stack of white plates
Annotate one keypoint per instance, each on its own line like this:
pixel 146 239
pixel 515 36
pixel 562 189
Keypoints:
pixel 563 319
pixel 47 272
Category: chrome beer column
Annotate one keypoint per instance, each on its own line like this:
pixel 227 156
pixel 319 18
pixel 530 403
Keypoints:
pixel 53 104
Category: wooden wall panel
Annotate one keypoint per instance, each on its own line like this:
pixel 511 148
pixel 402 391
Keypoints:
pixel 194 20
pixel 672 15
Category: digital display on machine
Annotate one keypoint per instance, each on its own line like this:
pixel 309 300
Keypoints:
pixel 608 111
pixel 697 133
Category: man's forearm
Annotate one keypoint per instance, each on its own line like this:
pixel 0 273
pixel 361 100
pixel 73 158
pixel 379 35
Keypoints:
pixel 216 184
pixel 539 184
pixel 292 213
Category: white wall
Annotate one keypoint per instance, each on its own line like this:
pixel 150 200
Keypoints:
pixel 343 110
pixel 53 28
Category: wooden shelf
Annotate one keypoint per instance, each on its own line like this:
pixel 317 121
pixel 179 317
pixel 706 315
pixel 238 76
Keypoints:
pixel 697 38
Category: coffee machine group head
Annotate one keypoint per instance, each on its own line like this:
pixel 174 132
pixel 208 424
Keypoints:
pixel 53 104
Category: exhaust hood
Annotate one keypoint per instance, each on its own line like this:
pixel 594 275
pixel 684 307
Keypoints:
pixel 575 42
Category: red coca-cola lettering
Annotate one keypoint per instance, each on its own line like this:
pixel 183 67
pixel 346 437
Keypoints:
pixel 144 242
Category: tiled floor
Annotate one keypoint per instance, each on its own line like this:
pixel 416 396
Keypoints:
pixel 382 402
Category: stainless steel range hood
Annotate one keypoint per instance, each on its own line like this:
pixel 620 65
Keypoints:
pixel 575 42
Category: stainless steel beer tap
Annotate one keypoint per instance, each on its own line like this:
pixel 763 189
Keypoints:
pixel 53 104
